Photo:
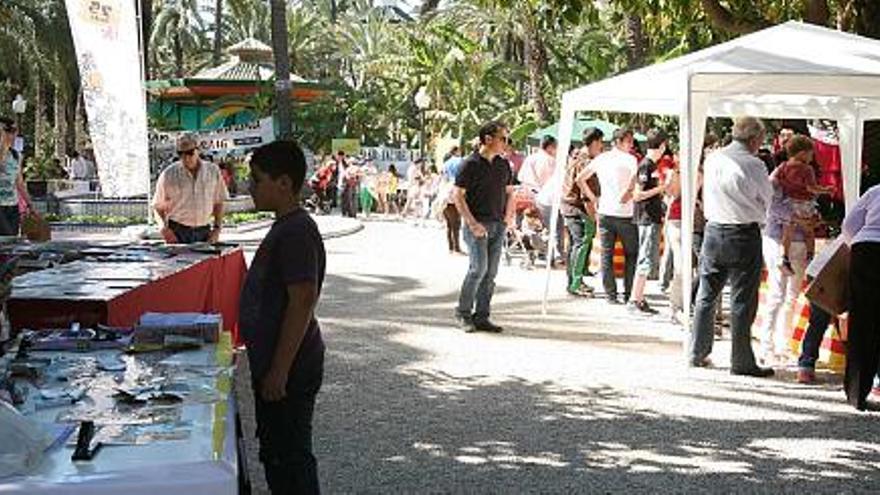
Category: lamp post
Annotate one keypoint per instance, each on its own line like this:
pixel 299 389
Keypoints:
pixel 19 107
pixel 423 101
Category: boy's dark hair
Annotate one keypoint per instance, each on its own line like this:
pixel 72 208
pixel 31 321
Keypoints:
pixel 621 133
pixel 282 158
pixel 547 141
pixel 489 129
pixel 340 153
pixel 656 138
pixel 6 121
pixel 592 134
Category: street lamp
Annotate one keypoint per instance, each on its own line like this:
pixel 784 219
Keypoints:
pixel 19 107
pixel 423 101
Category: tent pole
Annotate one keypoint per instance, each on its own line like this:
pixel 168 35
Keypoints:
pixel 566 126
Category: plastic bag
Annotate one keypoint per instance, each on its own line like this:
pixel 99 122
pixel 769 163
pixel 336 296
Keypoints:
pixel 22 442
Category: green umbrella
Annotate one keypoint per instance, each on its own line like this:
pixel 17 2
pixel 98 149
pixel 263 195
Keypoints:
pixel 577 133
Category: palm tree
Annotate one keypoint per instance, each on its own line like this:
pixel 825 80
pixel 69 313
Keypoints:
pixel 179 32
pixel 218 32
pixel 282 67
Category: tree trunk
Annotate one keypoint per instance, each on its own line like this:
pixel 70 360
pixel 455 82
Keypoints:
pixel 817 12
pixel 146 30
pixel 178 57
pixel 80 127
pixel 723 19
pixel 867 17
pixel 282 68
pixel 636 43
pixel 536 64
pixel 60 112
pixel 218 32
pixel 39 117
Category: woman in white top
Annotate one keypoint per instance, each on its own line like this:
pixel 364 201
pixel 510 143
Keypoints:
pixel 861 230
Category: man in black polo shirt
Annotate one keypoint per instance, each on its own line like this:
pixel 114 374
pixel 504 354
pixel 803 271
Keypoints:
pixel 484 197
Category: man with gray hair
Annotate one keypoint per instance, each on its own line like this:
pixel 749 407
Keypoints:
pixel 736 196
pixel 188 194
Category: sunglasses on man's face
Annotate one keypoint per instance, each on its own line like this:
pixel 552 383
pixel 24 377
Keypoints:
pixel 187 152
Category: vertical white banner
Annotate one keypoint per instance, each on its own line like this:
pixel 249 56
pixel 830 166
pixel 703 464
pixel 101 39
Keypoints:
pixel 105 33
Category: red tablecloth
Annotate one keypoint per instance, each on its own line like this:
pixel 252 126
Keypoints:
pixel 211 285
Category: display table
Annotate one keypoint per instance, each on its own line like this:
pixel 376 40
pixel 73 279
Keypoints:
pixel 202 463
pixel 117 293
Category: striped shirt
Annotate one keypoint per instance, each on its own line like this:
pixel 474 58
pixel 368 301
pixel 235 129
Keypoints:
pixel 190 200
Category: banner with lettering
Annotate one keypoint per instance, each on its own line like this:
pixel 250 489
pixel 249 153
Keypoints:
pixel 218 143
pixel 105 34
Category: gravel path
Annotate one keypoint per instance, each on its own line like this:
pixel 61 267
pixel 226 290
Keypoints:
pixel 587 399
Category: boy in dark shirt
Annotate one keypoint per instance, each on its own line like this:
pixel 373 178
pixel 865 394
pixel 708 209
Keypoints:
pixel 278 324
pixel 648 215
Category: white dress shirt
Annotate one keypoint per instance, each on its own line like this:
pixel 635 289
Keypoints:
pixel 736 187
pixel 862 224
pixel 190 200
pixel 537 170
pixel 615 170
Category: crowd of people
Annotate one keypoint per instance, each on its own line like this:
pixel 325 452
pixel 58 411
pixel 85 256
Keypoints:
pixel 755 214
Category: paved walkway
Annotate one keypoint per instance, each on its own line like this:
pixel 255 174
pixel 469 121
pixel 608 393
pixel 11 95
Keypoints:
pixel 586 399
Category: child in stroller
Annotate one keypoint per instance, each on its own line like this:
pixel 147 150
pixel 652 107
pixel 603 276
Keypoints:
pixel 319 182
pixel 529 240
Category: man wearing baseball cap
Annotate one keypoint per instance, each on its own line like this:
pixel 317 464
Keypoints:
pixel 188 194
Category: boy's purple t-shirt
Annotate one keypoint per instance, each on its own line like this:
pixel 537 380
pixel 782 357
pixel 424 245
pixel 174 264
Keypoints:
pixel 292 252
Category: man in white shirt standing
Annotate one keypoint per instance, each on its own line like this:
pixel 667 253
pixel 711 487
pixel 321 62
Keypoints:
pixel 538 167
pixel 616 170
pixel 736 196
pixel 188 194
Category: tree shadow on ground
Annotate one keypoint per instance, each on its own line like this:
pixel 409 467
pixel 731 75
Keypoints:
pixel 387 423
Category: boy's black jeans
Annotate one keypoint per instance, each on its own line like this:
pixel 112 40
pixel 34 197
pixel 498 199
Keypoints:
pixel 284 429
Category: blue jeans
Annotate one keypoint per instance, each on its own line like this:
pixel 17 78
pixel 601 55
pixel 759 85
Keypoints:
pixel 610 228
pixel 819 321
pixel 479 283
pixel 730 252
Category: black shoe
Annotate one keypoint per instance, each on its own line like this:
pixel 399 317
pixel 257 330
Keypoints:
pixel 757 372
pixel 701 363
pixel 466 324
pixel 582 291
pixel 488 326
pixel 613 300
pixel 643 307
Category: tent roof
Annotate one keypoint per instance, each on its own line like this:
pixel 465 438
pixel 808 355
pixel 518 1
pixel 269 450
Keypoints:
pixel 809 65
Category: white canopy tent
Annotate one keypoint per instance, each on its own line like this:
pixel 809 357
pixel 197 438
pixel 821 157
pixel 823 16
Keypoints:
pixel 793 70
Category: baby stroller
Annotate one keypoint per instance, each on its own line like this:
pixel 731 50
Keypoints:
pixel 320 199
pixel 528 241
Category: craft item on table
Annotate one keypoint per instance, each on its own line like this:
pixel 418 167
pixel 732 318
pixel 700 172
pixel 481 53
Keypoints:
pixel 122 414
pixel 12 392
pixel 29 368
pixel 86 446
pixel 22 442
pixel 153 327
pixel 181 342
pixel 58 397
pixel 110 363
pixel 78 339
pixel 130 435
pixel 150 393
